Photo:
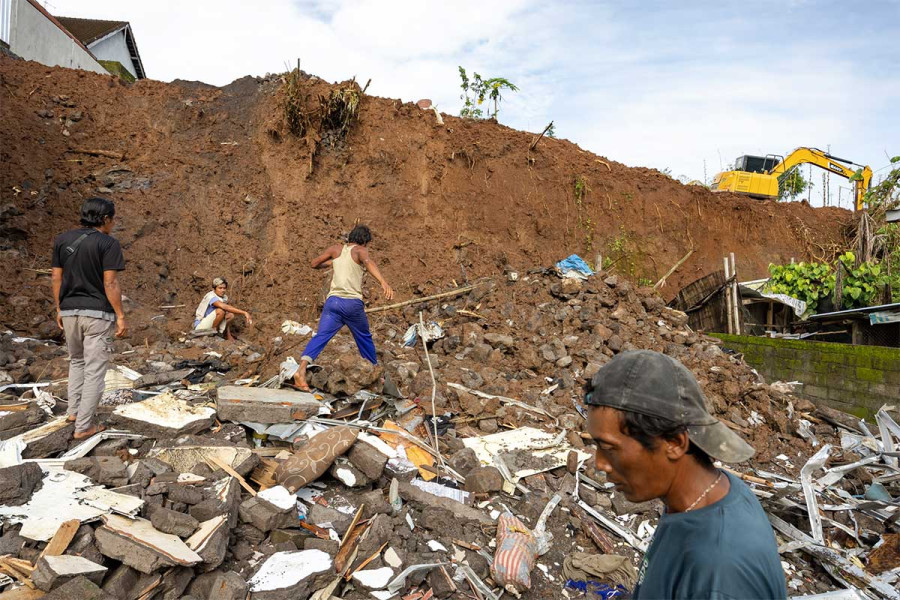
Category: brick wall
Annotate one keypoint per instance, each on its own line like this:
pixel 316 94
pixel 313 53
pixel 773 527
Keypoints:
pixel 855 379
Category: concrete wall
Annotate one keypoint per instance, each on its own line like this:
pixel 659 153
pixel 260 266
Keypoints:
pixel 114 48
pixel 855 379
pixel 35 37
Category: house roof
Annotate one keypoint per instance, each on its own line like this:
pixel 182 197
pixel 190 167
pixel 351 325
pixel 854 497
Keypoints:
pixel 56 22
pixel 854 313
pixel 90 30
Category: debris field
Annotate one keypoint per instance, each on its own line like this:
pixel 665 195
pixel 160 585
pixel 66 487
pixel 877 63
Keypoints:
pixel 213 484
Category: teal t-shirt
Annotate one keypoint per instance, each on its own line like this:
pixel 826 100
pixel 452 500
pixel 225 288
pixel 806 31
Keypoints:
pixel 725 550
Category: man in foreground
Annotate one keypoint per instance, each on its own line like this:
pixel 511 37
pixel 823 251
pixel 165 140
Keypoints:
pixel 214 312
pixel 85 267
pixel 655 439
pixel 344 304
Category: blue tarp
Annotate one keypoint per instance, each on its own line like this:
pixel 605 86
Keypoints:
pixel 574 263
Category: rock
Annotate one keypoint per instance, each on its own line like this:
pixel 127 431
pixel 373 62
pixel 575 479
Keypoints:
pixel 441 585
pixel 103 470
pixel 464 461
pixel 330 547
pixel 500 341
pixel 186 494
pixel 79 588
pixel 139 545
pixel 564 362
pixel 289 575
pixel 622 506
pixel 51 572
pixel 320 515
pixel 484 480
pixel 489 425
pixel 367 459
pixel 170 521
pixel 265 516
pixel 221 498
pixel 19 418
pixel 19 482
pixel 481 352
pixel 147 469
pixel 11 542
pixel 218 585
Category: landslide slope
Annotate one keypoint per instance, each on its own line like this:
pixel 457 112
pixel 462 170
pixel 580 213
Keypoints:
pixel 209 182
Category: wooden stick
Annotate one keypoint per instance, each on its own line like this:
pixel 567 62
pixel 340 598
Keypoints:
pixel 106 153
pixel 749 478
pixel 363 564
pixel 61 539
pixel 215 462
pixel 543 133
pixel 458 292
pixel 728 297
pixel 674 268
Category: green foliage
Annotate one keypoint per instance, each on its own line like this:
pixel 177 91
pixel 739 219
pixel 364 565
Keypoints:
pixel 551 131
pixel 809 282
pixel 863 283
pixel 791 185
pixel 477 90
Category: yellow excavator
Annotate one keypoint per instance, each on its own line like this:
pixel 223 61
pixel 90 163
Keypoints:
pixel 757 176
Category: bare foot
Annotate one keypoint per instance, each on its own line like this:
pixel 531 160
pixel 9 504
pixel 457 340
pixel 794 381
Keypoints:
pixel 80 435
pixel 300 382
pixel 71 419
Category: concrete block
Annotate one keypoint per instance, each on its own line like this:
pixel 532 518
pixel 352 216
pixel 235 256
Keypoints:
pixel 219 585
pixel 210 542
pixel 52 571
pixel 15 419
pixel 121 582
pixel 186 494
pixel 79 588
pixel 49 438
pixel 349 475
pixel 103 470
pixel 367 459
pixel 262 405
pixel 265 516
pixel 290 575
pixel 170 521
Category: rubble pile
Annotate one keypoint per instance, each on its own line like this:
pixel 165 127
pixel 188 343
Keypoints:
pixel 215 479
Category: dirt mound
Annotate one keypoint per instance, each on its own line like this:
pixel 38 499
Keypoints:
pixel 208 181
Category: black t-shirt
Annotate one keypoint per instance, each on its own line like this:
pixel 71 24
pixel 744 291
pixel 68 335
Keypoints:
pixel 82 281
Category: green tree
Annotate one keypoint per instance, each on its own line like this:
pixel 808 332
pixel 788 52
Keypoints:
pixel 791 185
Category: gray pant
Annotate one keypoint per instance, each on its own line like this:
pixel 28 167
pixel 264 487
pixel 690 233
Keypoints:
pixel 90 343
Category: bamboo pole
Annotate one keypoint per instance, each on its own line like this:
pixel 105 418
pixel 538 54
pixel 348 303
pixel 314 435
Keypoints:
pixel 727 295
pixel 674 268
pixel 734 297
pixel 457 292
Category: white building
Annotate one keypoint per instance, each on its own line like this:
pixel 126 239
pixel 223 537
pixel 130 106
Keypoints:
pixel 32 33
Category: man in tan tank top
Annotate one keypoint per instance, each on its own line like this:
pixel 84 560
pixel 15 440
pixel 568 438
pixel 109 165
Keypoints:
pixel 344 305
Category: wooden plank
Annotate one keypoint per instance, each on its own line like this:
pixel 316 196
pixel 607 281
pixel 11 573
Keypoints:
pixel 22 593
pixel 61 539
pixel 215 462
pixel 264 405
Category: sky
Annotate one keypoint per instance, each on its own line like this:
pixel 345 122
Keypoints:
pixel 679 86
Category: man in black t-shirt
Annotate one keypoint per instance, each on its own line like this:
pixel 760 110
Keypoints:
pixel 88 298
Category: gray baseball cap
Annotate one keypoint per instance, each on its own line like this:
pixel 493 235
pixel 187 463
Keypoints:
pixel 653 384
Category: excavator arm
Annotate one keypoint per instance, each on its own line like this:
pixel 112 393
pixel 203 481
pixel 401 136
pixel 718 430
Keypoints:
pixel 830 163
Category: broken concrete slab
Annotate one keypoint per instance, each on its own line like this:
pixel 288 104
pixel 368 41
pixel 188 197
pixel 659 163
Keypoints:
pixel 264 405
pixel 163 416
pixel 219 585
pixel 210 542
pixel 222 497
pixel 185 494
pixel 160 378
pixel 30 415
pixel 289 575
pixel 17 483
pixel 311 462
pixel 174 522
pixel 79 588
pixel 349 475
pixel 266 516
pixel 138 544
pixel 51 572
pixel 65 495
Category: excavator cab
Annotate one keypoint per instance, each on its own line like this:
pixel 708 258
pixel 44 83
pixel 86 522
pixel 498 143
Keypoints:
pixel 756 164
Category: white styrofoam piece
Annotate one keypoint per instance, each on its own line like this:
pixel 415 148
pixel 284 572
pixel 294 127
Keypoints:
pixel 345 476
pixel 285 569
pixel 374 579
pixel 436 546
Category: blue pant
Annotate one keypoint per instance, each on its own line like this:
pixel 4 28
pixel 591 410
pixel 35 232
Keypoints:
pixel 337 313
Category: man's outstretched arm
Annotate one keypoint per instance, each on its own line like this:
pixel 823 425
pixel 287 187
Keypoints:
pixel 372 268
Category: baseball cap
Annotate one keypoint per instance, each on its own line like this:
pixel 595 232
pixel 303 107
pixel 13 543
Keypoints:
pixel 656 385
pixel 219 281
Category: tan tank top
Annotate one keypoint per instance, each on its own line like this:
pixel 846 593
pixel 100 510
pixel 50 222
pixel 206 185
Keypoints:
pixel 347 279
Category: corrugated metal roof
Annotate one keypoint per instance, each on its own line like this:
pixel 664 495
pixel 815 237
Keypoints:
pixel 90 30
pixel 854 312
